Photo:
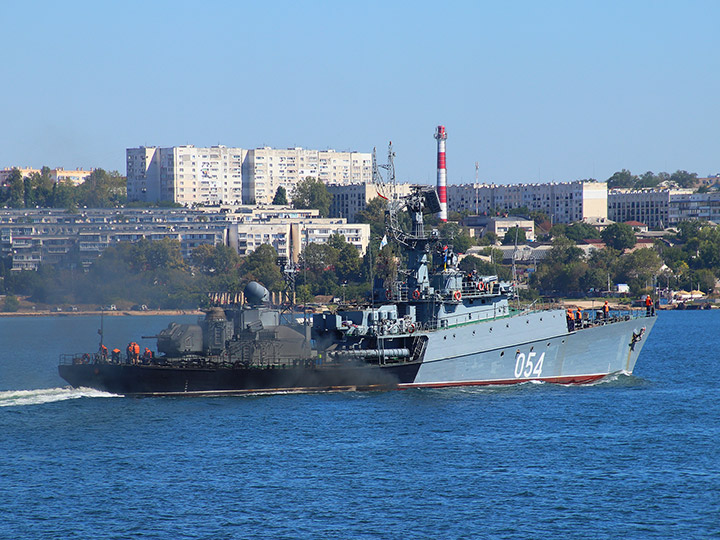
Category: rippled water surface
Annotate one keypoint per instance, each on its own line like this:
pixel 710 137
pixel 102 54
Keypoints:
pixel 630 457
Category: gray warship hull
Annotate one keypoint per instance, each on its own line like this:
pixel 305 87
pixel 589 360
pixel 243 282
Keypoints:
pixel 536 346
pixel 533 346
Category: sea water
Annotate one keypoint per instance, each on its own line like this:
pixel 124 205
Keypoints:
pixel 629 457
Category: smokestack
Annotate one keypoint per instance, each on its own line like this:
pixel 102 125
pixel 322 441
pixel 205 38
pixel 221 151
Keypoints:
pixel 441 136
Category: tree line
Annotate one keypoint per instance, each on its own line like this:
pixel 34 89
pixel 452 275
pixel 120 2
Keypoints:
pixel 101 189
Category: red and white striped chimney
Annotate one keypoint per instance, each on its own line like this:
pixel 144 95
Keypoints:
pixel 441 137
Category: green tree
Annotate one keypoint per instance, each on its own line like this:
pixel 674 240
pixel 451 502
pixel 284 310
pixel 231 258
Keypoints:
pixel 512 234
pixel 261 265
pixel 581 231
pixel 15 196
pixel 102 190
pixel 684 179
pixel 215 260
pixel 622 179
pixel 618 236
pixel 312 193
pixel 12 304
pixel 374 214
pixel 280 196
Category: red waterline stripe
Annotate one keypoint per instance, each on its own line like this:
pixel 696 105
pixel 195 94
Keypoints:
pixel 575 379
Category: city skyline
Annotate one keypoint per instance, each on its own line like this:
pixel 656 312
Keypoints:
pixel 532 93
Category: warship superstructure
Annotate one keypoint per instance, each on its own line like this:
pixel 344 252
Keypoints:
pixel 432 326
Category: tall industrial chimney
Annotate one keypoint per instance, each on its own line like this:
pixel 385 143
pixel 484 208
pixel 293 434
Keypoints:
pixel 441 137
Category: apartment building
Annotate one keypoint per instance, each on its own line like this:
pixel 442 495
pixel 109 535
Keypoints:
pixel 349 199
pixel 221 175
pixel 692 206
pixel 267 169
pixel 185 174
pixel 289 236
pixel 32 237
pixel 563 202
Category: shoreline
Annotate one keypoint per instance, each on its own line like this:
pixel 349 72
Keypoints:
pixel 118 313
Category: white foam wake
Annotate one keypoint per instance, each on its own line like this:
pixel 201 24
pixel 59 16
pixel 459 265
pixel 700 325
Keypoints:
pixel 19 398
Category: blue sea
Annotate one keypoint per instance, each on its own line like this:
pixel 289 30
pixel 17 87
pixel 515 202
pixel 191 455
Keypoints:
pixel 630 457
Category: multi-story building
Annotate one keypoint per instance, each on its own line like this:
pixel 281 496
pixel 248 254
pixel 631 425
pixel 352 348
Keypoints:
pixel 648 206
pixel 692 206
pixel 563 202
pixel 32 237
pixel 267 169
pixel 499 226
pixel 289 236
pixel 349 199
pixel 222 175
pixel 185 174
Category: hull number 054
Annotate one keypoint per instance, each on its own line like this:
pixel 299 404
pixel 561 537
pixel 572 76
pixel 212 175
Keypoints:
pixel 528 366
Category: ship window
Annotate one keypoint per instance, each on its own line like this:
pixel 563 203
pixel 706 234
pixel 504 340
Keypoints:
pixel 502 353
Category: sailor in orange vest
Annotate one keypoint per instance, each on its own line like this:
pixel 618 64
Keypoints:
pixel 648 305
pixel 136 353
pixel 606 310
pixel 103 352
pixel 147 356
pixel 570 319
pixel 116 355
pixel 579 317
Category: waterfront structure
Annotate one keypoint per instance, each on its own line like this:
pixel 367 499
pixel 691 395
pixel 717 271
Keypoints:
pixel 563 202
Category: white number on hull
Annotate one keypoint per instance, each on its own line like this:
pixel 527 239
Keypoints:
pixel 526 367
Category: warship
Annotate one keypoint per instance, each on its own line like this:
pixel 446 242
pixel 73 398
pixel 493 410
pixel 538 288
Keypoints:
pixel 431 325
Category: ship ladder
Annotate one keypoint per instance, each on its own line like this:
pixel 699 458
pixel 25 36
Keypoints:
pixel 418 348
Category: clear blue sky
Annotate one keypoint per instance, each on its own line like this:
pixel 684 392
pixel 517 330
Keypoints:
pixel 532 91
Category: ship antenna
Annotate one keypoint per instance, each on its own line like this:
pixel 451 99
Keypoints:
pixel 101 331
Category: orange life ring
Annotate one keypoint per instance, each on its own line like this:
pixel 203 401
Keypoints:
pixel 457 296
pixel 411 328
pixel 416 294
pixel 481 286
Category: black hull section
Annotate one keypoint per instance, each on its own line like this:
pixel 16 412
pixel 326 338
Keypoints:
pixel 166 380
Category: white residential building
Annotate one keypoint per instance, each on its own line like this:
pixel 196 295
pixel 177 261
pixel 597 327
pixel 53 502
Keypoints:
pixel 220 175
pixel 563 202
pixel 185 174
pixel 267 169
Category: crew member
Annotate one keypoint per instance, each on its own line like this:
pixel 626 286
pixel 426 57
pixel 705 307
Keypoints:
pixel 648 305
pixel 136 353
pixel 147 356
pixel 129 352
pixel 103 352
pixel 578 316
pixel 606 310
pixel 570 319
pixel 116 355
